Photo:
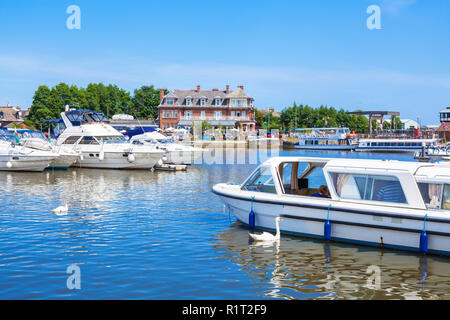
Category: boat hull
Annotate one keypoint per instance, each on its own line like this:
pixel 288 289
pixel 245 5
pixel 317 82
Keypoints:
pixel 25 163
pixel 64 161
pixel 118 160
pixel 352 225
pixel 326 147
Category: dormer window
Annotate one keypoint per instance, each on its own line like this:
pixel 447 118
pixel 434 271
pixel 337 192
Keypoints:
pixel 217 101
pixel 202 102
pixel 189 101
pixel 170 101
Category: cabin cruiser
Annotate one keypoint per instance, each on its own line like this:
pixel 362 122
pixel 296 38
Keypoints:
pixel 14 157
pixel 100 145
pixel 176 153
pixel 326 139
pixel 383 203
pixel 394 145
pixel 37 140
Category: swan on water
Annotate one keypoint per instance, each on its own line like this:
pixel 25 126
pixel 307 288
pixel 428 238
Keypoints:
pixel 266 236
pixel 61 210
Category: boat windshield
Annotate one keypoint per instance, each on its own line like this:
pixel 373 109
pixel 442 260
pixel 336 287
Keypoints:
pixel 261 181
pixel 6 135
pixel 32 134
pixel 112 140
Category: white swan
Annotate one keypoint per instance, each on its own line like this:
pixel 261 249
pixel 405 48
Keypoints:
pixel 61 210
pixel 266 236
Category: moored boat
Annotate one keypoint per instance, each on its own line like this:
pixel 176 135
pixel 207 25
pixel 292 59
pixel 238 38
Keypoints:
pixel 393 204
pixel 326 139
pixel 394 145
pixel 14 157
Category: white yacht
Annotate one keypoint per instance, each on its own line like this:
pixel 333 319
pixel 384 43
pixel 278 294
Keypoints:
pixel 176 153
pixel 394 145
pixel 14 157
pixel 100 145
pixel 37 140
pixel 326 139
pixel 393 204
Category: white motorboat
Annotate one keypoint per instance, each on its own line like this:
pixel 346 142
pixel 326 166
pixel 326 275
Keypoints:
pixel 176 153
pixel 14 157
pixel 100 145
pixel 326 139
pixel 37 140
pixel 393 204
pixel 394 145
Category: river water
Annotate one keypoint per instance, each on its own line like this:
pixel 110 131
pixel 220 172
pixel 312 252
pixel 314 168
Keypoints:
pixel 164 235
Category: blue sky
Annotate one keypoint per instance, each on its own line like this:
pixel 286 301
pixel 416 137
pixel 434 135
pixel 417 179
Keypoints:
pixel 312 52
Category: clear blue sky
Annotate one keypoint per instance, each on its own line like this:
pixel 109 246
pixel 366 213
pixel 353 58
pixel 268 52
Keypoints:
pixel 312 52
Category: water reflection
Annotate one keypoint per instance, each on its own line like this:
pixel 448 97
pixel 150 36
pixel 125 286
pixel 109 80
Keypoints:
pixel 296 268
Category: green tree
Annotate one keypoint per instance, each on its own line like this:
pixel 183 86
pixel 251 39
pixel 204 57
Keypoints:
pixel 146 101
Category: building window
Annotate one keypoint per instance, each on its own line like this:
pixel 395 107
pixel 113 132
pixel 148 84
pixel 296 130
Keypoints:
pixel 203 115
pixel 218 115
pixel 188 101
pixel 202 102
pixel 170 101
pixel 188 114
pixel 171 114
pixel 238 103
pixel 163 114
pixel 243 114
pixel 176 114
pixel 217 102
pixel 232 114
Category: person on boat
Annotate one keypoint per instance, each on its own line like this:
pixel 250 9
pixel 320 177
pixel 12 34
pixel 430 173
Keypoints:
pixel 391 192
pixel 322 192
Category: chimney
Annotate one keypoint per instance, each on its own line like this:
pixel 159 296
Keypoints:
pixel 161 95
pixel 228 89
pixel 198 88
pixel 241 87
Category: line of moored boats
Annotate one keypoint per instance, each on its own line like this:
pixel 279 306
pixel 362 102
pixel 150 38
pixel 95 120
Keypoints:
pixel 83 138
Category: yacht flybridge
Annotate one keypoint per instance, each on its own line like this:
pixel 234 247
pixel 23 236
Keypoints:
pixel 395 204
pixel 100 145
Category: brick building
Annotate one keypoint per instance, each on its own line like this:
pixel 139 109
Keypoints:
pixel 226 109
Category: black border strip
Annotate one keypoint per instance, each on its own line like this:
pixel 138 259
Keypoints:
pixel 309 206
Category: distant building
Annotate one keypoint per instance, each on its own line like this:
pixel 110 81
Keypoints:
pixel 10 116
pixel 271 111
pixel 220 108
pixel 444 128
pixel 409 124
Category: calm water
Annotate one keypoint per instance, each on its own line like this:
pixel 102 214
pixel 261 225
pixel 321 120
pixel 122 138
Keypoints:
pixel 164 235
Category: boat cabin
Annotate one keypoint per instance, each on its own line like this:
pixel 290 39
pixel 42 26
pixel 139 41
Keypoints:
pixel 388 183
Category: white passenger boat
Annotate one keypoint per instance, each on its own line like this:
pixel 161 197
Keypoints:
pixel 14 157
pixel 176 153
pixel 326 139
pixel 37 140
pixel 394 145
pixel 394 204
pixel 100 145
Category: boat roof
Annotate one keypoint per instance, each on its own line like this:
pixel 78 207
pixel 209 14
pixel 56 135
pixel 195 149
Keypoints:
pixel 419 169
pixel 398 140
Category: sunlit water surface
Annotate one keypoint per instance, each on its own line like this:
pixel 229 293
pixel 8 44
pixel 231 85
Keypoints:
pixel 164 235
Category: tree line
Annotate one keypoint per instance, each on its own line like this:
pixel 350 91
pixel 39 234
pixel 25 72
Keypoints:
pixel 48 103
pixel 304 116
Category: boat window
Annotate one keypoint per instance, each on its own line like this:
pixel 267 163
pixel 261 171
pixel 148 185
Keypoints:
pixel 446 197
pixel 71 140
pixel 112 140
pixel 431 194
pixel 304 179
pixel 88 140
pixel 368 187
pixel 261 181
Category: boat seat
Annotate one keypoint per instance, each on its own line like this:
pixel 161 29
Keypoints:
pixel 305 191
